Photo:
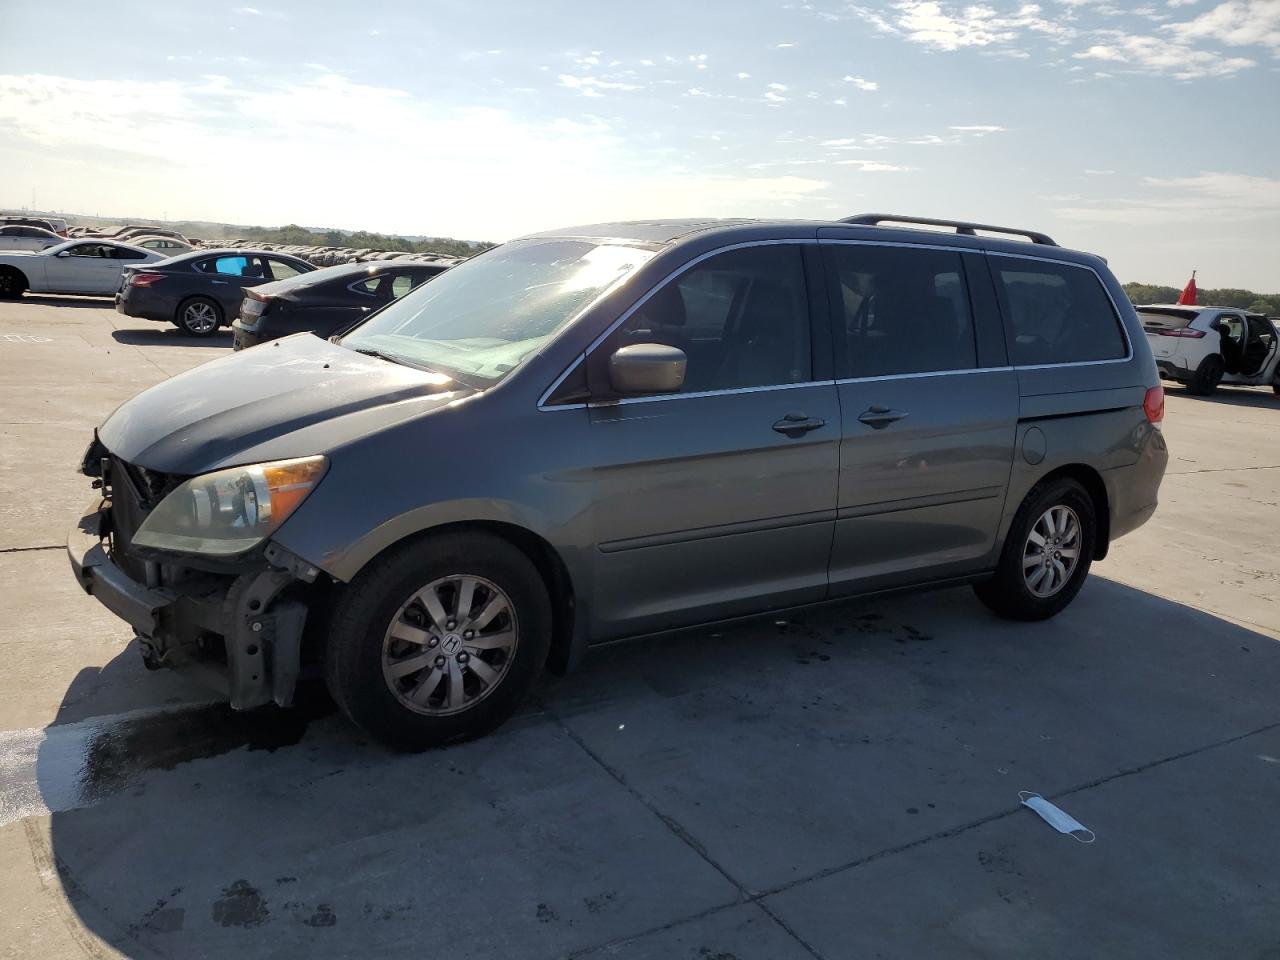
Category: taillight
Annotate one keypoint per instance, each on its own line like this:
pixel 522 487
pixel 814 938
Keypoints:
pixel 1153 405
pixel 1184 332
pixel 145 279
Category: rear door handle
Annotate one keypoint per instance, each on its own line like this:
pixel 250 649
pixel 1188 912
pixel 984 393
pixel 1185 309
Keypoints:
pixel 879 417
pixel 797 424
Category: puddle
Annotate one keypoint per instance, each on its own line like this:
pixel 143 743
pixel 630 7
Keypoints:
pixel 76 765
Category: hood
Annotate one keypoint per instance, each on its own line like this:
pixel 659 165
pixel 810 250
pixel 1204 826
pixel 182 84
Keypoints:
pixel 294 397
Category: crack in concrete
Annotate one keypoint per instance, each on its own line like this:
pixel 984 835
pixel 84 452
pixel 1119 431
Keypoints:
pixel 52 546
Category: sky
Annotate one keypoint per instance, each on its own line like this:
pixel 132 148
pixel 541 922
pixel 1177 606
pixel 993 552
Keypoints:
pixel 1147 133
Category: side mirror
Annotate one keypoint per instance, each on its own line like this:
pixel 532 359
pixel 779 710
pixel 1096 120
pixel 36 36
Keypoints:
pixel 647 368
pixel 63 253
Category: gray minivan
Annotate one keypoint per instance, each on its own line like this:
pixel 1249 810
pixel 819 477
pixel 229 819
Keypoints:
pixel 609 431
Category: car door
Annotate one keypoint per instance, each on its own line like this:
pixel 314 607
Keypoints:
pixel 85 268
pixel 229 275
pixel 930 412
pixel 717 500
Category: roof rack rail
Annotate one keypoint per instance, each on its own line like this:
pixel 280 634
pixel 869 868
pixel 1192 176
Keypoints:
pixel 962 227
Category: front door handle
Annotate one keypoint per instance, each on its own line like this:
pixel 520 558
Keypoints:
pixel 879 417
pixel 797 424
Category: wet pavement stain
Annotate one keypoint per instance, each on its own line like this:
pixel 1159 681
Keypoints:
pixel 240 906
pixel 116 755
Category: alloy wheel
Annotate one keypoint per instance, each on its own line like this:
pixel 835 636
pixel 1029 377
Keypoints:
pixel 449 645
pixel 199 318
pixel 1052 551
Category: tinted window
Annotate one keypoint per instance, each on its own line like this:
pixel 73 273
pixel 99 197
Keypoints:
pixel 283 271
pixel 90 250
pixel 1056 313
pixel 740 317
pixel 233 266
pixel 123 254
pixel 899 310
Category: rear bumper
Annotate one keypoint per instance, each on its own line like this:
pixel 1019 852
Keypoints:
pixel 144 305
pixel 242 337
pixel 243 616
pixel 1170 370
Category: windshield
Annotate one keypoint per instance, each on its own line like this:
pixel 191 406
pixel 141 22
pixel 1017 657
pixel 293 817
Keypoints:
pixel 483 317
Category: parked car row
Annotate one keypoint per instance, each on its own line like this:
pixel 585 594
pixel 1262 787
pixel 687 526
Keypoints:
pixel 323 256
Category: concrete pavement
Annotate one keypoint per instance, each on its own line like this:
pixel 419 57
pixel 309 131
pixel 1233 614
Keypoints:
pixel 841 783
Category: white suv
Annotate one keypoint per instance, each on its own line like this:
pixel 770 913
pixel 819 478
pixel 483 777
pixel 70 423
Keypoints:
pixel 1202 347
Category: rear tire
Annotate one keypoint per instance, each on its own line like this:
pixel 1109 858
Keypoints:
pixel 1207 376
pixel 1035 581
pixel 199 316
pixel 12 283
pixel 414 664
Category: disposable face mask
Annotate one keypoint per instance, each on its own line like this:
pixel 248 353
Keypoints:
pixel 1060 820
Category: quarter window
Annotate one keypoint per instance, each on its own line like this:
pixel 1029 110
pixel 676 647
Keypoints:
pixel 899 310
pixel 283 271
pixel 90 250
pixel 1056 313
pixel 740 317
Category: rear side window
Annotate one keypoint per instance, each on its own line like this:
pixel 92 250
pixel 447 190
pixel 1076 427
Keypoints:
pixel 1056 313
pixel 233 266
pixel 899 310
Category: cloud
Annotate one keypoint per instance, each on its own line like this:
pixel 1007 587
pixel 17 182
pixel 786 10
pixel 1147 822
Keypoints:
pixel 949 27
pixel 1158 55
pixel 591 86
pixel 744 76
pixel 1237 23
pixel 1210 197
pixel 575 168
pixel 784 46
pixel 981 129
pixel 862 84
pixel 774 97
pixel 778 86
pixel 874 166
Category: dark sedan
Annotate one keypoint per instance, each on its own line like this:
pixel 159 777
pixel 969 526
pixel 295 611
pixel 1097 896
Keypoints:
pixel 201 291
pixel 325 301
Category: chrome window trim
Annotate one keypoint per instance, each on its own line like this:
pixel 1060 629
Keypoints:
pixel 927 373
pixel 822 241
pixel 606 404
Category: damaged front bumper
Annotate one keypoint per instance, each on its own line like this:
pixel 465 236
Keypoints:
pixel 242 618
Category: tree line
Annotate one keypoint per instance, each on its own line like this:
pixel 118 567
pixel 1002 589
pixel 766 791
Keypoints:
pixel 1268 303
pixel 356 240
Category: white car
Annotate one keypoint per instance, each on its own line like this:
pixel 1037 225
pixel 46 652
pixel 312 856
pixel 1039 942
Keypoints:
pixel 90 267
pixel 166 245
pixel 1202 347
pixel 17 237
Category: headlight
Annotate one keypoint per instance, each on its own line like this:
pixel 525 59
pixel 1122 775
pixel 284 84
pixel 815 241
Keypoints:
pixel 230 511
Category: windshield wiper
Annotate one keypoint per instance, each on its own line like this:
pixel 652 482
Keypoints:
pixel 406 362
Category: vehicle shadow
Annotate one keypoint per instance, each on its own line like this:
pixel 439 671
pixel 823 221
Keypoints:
pixel 170 336
pixel 780 749
pixel 52 300
pixel 1232 395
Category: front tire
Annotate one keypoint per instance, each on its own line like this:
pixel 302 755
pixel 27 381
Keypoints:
pixel 1207 376
pixel 12 284
pixel 1046 555
pixel 199 316
pixel 439 641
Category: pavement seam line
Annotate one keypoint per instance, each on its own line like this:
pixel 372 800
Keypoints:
pixel 52 546
pixel 678 829
pixel 1000 815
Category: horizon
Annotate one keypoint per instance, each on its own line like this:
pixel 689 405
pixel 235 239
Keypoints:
pixel 1064 116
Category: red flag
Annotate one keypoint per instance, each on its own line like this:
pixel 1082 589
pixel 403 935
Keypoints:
pixel 1188 297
